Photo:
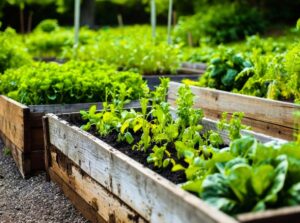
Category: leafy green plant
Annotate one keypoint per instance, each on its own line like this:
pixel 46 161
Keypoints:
pixel 245 176
pixel 72 82
pixel 13 53
pixel 224 69
pixel 234 23
pixel 48 25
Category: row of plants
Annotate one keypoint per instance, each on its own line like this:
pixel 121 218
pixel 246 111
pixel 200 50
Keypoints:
pixel 13 52
pixel 244 176
pixel 72 82
pixel 260 67
pixel 129 48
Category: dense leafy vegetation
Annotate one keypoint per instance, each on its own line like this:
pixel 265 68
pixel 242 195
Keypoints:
pixel 13 53
pixel 129 48
pixel 263 68
pixel 72 82
pixel 245 176
pixel 234 23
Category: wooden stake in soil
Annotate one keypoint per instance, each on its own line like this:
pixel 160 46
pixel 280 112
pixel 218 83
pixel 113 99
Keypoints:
pixel 153 18
pixel 170 21
pixel 120 20
pixel 76 26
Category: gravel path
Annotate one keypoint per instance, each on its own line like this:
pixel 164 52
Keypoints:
pixel 32 200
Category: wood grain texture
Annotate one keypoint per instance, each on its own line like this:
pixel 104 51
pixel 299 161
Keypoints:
pixel 267 116
pixel 12 125
pixel 84 208
pixel 105 204
pixel 281 215
pixel 153 197
pixel 22 162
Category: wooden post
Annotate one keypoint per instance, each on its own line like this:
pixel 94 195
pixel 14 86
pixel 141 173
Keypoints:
pixel 29 24
pixel 120 20
pixel 174 18
pixel 190 39
pixel 47 147
pixel 153 18
pixel 76 25
pixel 170 21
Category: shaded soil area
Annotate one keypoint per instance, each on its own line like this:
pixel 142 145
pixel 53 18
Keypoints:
pixel 32 200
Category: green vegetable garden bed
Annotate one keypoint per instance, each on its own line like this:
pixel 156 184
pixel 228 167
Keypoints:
pixel 32 91
pixel 124 164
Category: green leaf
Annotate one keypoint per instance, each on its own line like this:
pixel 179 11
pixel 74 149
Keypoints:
pixel 228 78
pixel 124 126
pixel 279 179
pixel 262 178
pixel 129 138
pixel 166 163
pixel 216 192
pixel 293 195
pixel 177 167
pixel 243 146
pixel 193 186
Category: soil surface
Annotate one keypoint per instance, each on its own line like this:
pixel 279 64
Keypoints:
pixel 32 200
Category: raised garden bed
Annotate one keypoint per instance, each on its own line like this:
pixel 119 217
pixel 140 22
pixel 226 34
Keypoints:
pixel 196 68
pixel 22 131
pixel 154 80
pixel 107 185
pixel 270 117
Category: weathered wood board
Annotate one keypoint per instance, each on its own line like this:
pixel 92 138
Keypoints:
pixel 270 117
pixel 21 130
pixel 101 205
pixel 152 197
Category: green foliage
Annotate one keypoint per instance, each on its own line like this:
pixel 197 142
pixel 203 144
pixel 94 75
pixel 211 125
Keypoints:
pixel 234 23
pixel 72 82
pixel 234 126
pixel 48 25
pixel 224 69
pixel 132 48
pixel 246 176
pixel 129 48
pixel 13 53
pixel 264 68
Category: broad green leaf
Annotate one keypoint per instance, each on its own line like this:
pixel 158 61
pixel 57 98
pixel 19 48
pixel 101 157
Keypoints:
pixel 279 180
pixel 262 178
pixel 243 146
pixel 193 186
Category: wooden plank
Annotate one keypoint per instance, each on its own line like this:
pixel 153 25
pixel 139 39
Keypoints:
pixel 259 112
pixel 281 215
pixel 37 139
pixel 12 121
pixel 257 125
pixel 184 70
pixel 47 155
pixel 22 162
pixel 153 197
pixel 105 204
pixel 87 211
pixel 209 124
pixel 37 161
pixel 68 108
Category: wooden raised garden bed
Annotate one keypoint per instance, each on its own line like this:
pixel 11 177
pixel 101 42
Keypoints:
pixel 21 130
pixel 108 186
pixel 270 117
